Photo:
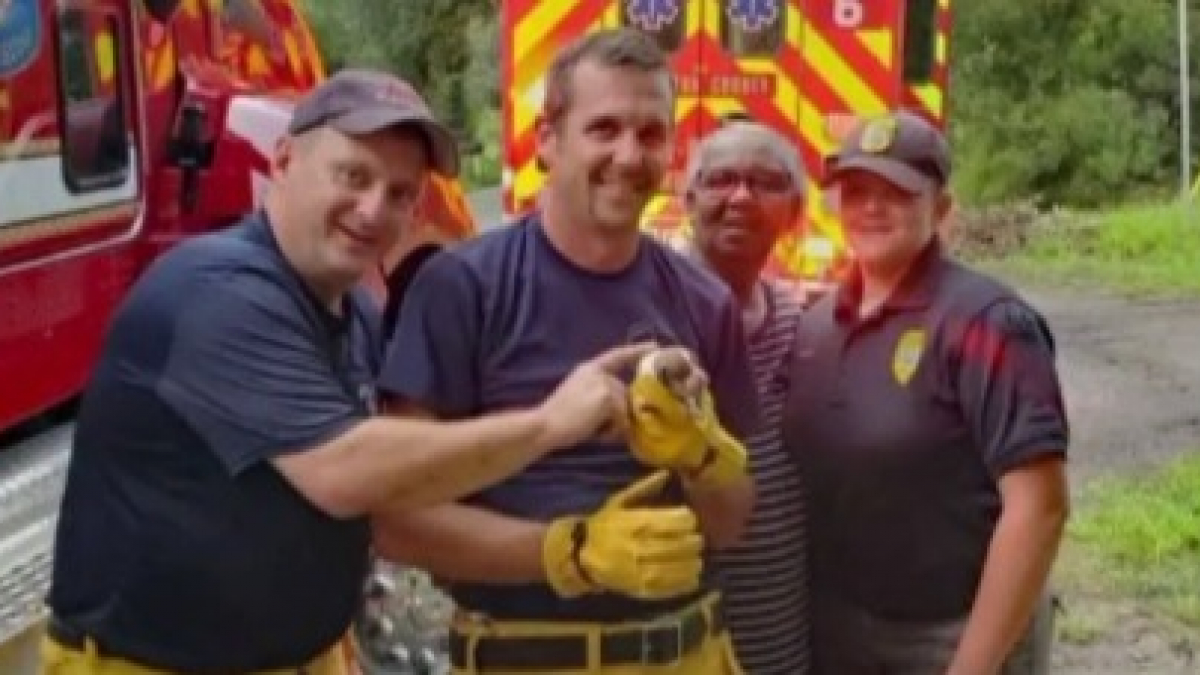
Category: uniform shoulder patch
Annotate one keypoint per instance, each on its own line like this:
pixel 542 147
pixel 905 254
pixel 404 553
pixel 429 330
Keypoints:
pixel 907 355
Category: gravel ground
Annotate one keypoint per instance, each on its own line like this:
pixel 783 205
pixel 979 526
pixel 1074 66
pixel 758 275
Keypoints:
pixel 1131 372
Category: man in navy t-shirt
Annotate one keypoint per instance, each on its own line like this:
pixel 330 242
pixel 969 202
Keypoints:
pixel 225 459
pixel 497 322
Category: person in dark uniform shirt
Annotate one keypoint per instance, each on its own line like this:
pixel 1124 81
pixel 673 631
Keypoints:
pixel 225 457
pixel 495 322
pixel 930 430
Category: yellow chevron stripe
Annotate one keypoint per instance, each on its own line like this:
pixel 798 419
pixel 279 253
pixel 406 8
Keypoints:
pixel 839 75
pixel 527 181
pixel 812 127
pixel 707 19
pixel 531 70
pixel 880 44
pixel 526 105
pixel 612 15
pixel 931 97
pixel 533 27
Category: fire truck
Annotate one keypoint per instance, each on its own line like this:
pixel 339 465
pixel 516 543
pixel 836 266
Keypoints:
pixel 126 126
pixel 811 69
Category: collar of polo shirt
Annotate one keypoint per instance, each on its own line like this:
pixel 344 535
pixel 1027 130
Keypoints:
pixel 916 289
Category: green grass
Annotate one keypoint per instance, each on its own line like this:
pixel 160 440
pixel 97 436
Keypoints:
pixel 1138 538
pixel 1136 249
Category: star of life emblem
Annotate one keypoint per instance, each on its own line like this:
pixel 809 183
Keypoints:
pixel 753 16
pixel 652 15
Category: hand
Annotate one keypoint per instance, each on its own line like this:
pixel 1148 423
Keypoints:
pixel 591 399
pixel 674 423
pixel 628 547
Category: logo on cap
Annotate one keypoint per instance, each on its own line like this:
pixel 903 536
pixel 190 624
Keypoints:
pixel 878 134
pixel 394 93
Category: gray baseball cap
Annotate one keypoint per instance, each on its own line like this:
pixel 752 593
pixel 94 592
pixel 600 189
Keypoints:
pixel 902 147
pixel 357 102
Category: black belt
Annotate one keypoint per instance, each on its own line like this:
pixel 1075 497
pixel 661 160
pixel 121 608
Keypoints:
pixel 655 644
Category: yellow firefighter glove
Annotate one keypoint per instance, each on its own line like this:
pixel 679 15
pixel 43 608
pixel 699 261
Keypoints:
pixel 628 547
pixel 670 429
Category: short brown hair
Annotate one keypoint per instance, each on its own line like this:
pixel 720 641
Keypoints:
pixel 610 47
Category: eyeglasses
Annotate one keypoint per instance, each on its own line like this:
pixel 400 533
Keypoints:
pixel 761 182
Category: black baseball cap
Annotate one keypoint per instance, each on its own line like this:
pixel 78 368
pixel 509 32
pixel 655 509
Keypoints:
pixel 901 146
pixel 357 102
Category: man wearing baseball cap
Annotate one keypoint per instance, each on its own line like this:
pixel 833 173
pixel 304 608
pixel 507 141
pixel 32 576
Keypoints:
pixel 226 461
pixel 929 424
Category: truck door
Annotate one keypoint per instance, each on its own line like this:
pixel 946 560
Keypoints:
pixel 70 170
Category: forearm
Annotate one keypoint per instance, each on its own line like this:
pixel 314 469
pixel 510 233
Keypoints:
pixel 723 510
pixel 1019 560
pixel 462 543
pixel 390 462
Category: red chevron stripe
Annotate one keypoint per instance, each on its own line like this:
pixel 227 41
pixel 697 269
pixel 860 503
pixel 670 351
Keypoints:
pixel 517 9
pixel 687 57
pixel 522 148
pixel 874 74
pixel 816 86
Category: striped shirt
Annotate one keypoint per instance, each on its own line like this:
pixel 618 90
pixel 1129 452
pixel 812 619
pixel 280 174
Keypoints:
pixel 766 577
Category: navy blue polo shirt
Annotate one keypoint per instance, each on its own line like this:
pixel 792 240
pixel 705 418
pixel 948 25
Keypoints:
pixel 904 421
pixel 179 544
pixel 499 321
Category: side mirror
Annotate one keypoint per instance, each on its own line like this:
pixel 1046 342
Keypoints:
pixel 191 151
pixel 161 10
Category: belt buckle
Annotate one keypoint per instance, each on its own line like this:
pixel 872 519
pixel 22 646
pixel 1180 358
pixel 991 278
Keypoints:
pixel 653 653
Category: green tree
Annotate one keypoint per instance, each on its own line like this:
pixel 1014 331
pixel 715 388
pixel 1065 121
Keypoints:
pixel 1066 101
pixel 448 50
